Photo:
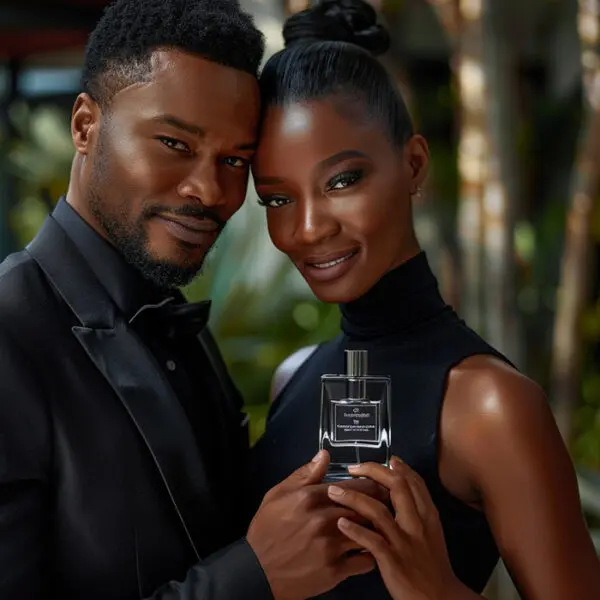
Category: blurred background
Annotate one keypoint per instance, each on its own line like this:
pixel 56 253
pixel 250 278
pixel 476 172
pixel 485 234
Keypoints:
pixel 507 93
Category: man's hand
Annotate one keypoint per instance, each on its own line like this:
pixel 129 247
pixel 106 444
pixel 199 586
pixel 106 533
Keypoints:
pixel 297 541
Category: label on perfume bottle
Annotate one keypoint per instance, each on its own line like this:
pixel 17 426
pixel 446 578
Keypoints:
pixel 356 422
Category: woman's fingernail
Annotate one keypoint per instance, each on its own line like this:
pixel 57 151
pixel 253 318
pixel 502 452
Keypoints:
pixel 396 462
pixel 334 490
pixel 343 523
pixel 353 467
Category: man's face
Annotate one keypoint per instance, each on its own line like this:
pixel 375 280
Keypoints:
pixel 166 165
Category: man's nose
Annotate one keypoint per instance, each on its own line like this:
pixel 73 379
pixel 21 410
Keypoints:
pixel 203 184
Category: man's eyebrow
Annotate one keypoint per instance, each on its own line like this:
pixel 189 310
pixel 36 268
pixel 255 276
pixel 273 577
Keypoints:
pixel 196 130
pixel 180 124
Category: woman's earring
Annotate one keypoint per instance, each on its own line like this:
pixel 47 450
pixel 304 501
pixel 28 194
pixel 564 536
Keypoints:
pixel 417 193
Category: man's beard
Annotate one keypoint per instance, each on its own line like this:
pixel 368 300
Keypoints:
pixel 130 238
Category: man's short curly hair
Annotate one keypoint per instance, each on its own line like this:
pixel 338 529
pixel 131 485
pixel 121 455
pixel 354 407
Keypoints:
pixel 119 50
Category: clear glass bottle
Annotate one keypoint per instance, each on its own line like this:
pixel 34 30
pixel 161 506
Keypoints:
pixel 355 417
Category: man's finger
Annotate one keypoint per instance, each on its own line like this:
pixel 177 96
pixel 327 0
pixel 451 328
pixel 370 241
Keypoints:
pixel 308 474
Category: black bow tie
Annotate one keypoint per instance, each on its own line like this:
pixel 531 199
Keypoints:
pixel 175 320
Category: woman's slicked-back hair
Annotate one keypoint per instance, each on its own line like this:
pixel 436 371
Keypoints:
pixel 330 52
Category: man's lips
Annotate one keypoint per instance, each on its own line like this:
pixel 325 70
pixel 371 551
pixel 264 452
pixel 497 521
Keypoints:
pixel 191 230
pixel 199 224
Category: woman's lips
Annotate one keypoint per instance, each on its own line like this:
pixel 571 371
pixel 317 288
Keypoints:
pixel 330 267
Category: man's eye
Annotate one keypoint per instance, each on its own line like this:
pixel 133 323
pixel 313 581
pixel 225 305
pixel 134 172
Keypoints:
pixel 174 144
pixel 237 162
pixel 273 201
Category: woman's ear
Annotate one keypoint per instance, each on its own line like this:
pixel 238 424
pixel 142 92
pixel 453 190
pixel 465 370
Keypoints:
pixel 416 154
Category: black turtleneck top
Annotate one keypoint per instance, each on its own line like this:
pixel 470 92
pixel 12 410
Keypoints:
pixel 414 337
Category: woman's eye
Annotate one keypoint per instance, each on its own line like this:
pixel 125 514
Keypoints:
pixel 344 180
pixel 273 201
pixel 174 144
pixel 236 161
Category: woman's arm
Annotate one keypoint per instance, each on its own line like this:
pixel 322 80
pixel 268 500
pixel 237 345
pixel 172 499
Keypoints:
pixel 500 449
pixel 499 432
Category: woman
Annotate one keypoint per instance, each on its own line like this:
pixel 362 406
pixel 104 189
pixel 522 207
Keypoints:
pixel 337 166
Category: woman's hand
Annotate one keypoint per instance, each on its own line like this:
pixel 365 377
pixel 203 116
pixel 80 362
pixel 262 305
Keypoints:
pixel 409 547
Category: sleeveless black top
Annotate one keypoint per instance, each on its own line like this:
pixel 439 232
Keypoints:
pixel 416 339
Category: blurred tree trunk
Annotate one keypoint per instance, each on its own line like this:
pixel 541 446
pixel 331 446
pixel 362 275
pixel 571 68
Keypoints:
pixel 577 255
pixel 502 186
pixel 489 181
pixel 463 24
pixel 488 168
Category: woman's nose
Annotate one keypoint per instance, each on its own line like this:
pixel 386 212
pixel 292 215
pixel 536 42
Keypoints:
pixel 314 222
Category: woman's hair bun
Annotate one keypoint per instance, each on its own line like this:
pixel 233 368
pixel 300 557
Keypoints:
pixel 353 21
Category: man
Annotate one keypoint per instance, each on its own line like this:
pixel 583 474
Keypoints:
pixel 122 442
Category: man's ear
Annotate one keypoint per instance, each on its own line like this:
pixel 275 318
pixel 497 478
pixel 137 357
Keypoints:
pixel 85 121
pixel 416 153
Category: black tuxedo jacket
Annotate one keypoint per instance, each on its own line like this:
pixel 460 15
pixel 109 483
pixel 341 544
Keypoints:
pixel 103 493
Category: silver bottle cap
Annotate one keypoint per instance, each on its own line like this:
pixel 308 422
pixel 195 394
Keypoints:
pixel 356 363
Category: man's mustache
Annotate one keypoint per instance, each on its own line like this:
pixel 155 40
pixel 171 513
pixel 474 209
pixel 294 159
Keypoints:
pixel 199 212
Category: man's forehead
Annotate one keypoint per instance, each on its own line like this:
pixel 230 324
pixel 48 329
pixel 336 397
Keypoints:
pixel 183 83
pixel 173 70
pixel 228 113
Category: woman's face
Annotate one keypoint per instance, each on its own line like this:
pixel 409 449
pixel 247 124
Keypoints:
pixel 337 194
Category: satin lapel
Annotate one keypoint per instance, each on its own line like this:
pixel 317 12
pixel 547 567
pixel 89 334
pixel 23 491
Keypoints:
pixel 134 375
pixel 149 399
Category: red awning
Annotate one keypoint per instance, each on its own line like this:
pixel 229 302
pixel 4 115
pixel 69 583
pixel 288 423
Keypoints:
pixel 23 44
pixel 33 27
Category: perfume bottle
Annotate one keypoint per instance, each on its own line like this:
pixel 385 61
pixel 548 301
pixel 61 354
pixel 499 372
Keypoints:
pixel 355 417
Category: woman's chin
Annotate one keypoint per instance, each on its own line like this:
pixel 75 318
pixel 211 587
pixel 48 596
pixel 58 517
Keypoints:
pixel 338 292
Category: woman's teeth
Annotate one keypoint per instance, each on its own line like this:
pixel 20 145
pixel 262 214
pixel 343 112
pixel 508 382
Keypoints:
pixel 332 263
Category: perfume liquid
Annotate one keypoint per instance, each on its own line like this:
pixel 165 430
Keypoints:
pixel 355 417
